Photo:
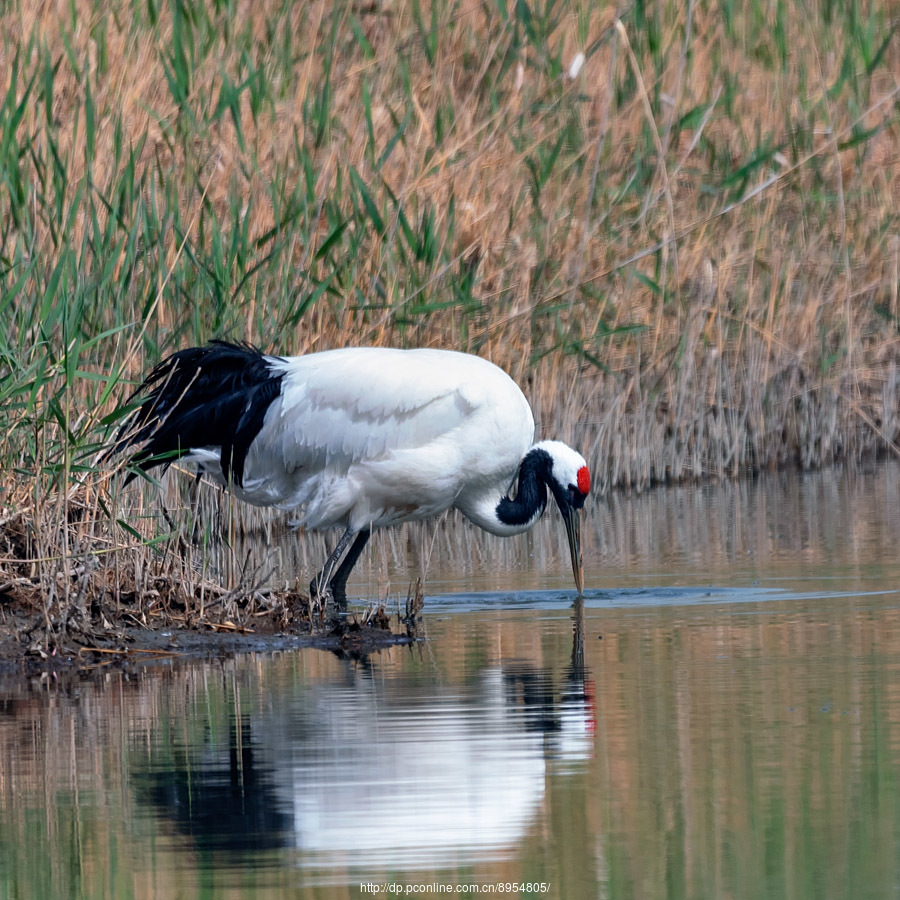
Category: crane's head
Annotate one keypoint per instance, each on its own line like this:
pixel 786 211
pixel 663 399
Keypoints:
pixel 569 481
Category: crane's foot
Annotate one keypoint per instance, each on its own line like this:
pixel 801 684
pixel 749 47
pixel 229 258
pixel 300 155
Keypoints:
pixel 330 600
pixel 319 593
pixel 333 592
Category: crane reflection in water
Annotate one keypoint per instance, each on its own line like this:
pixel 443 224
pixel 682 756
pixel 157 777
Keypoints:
pixel 379 771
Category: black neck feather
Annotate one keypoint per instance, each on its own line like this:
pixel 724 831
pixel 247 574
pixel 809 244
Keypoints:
pixel 531 491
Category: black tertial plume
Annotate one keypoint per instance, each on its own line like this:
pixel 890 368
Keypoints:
pixel 214 396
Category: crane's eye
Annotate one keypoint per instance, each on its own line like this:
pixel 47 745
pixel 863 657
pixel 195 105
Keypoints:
pixel 576 498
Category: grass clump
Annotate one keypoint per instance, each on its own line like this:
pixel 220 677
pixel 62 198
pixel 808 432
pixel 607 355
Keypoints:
pixel 685 251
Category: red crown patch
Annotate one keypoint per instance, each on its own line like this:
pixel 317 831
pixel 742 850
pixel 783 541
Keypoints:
pixel 584 480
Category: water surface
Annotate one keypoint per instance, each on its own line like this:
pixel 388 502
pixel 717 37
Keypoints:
pixel 720 719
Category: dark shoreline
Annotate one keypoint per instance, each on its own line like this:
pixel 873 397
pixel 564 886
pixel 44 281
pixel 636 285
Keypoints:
pixel 21 654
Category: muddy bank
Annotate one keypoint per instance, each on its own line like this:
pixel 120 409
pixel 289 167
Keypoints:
pixel 62 613
pixel 137 646
pixel 71 638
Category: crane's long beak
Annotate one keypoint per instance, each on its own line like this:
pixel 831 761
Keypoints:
pixel 572 518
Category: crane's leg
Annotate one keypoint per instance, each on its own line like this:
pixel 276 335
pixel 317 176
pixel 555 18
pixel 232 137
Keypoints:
pixel 331 583
pixel 339 579
pixel 320 586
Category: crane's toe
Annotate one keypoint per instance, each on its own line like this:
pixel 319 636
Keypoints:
pixel 320 591
pixel 328 594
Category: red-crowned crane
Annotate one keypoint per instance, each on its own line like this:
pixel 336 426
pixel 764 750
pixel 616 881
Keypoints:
pixel 358 438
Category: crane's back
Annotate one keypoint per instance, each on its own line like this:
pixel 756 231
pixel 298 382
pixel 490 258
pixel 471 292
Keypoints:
pixel 378 436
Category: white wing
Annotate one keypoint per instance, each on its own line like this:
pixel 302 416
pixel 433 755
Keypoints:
pixel 356 429
pixel 349 406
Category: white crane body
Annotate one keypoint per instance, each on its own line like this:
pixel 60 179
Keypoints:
pixel 358 438
pixel 337 446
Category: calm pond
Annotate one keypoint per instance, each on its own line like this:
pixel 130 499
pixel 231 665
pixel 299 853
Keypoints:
pixel 722 721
